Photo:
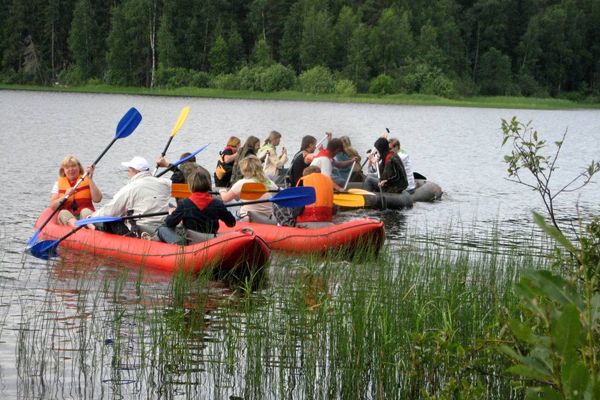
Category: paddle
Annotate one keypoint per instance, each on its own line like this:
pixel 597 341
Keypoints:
pixel 250 190
pixel 349 200
pixel 320 142
pixel 125 127
pixel 349 175
pixel 291 197
pixel 181 161
pixel 182 117
pixel 361 192
pixel 254 190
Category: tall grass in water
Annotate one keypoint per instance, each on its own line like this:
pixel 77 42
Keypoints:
pixel 413 322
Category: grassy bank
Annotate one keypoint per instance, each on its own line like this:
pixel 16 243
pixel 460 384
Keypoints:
pixel 400 99
pixel 415 322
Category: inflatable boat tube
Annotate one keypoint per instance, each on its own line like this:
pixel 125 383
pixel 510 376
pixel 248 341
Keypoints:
pixel 343 238
pixel 238 248
pixel 427 191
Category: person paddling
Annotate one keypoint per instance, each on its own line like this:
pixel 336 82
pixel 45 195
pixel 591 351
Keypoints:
pixel 80 204
pixel 225 163
pixel 393 176
pixel 324 160
pixel 200 214
pixel 302 159
pixel 144 194
pixel 273 163
pixel 410 177
pixel 250 148
pixel 251 169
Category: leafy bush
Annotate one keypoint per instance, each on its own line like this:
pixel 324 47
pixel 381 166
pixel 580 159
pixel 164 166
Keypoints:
pixel 345 87
pixel 317 80
pixel 249 77
pixel 70 76
pixel 427 79
pixel 439 85
pixel 529 86
pixel 199 79
pixel 554 345
pixel 276 77
pixel 8 76
pixel 225 82
pixel 382 84
pixel 172 77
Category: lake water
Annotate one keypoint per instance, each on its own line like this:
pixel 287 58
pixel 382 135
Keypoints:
pixel 459 148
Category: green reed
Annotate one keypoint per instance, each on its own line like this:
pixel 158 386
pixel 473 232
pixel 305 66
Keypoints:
pixel 417 320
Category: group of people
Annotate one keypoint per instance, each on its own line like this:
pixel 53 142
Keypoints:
pixel 326 168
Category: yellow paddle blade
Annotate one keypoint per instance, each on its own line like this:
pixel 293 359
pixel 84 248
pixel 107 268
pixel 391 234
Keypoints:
pixel 361 192
pixel 182 117
pixel 180 190
pixel 348 200
pixel 253 191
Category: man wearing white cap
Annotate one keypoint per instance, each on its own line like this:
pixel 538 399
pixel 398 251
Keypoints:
pixel 142 195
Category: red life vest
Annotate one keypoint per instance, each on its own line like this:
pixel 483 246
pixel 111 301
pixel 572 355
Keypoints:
pixel 82 198
pixel 322 209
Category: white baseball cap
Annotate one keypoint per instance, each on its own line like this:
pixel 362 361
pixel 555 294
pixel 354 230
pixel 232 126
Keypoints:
pixel 137 163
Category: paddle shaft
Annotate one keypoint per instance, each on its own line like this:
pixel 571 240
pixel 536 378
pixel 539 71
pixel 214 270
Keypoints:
pixel 163 153
pixel 349 175
pixel 181 161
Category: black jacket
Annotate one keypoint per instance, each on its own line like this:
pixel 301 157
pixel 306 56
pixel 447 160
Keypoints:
pixel 205 221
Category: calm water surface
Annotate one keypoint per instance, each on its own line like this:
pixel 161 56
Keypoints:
pixel 459 148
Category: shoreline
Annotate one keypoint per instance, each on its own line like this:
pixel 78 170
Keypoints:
pixel 503 102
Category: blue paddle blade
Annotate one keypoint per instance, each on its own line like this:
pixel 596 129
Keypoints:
pixel 128 123
pixel 184 159
pixel 97 220
pixel 295 196
pixel 45 249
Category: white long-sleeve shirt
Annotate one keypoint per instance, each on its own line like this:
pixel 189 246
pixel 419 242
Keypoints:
pixel 143 194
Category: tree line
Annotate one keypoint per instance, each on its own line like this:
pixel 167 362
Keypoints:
pixel 443 47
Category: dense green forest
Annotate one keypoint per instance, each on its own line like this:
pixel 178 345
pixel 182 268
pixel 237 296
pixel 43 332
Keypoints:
pixel 448 48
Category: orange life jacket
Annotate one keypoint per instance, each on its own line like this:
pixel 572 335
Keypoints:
pixel 82 198
pixel 322 209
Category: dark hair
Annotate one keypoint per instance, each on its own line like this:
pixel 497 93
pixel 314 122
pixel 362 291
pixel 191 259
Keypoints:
pixel 184 155
pixel 307 141
pixel 335 146
pixel 198 182
pixel 383 147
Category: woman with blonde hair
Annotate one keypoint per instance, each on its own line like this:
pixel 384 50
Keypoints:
pixel 344 163
pixel 80 203
pixel 272 162
pixel 250 148
pixel 225 163
pixel 251 169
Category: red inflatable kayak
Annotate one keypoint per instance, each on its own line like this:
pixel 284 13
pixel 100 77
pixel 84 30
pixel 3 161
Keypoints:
pixel 347 238
pixel 237 248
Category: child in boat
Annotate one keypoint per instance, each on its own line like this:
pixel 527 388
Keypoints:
pixel 272 162
pixel 225 163
pixel 251 169
pixel 200 214
pixel 79 204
